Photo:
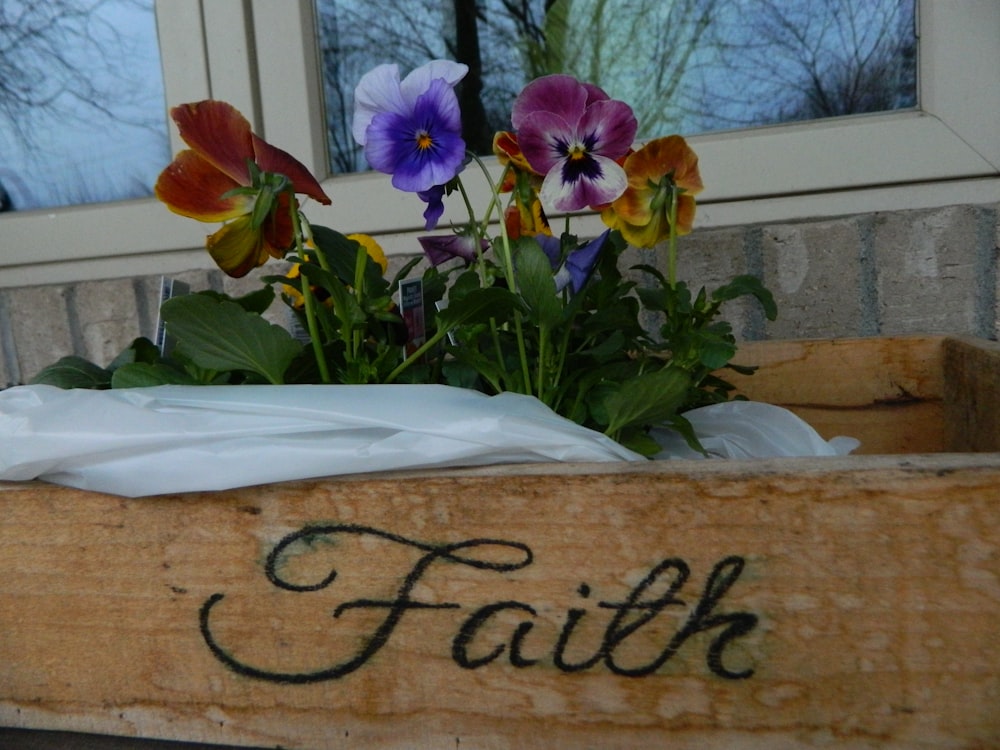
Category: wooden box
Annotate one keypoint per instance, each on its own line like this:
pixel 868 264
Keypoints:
pixel 793 603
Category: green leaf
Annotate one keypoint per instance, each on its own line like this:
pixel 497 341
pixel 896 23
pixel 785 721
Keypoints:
pixel 477 307
pixel 256 302
pixel 74 372
pixel 715 351
pixel 144 375
pixel 220 335
pixel 640 441
pixel 341 255
pixel 744 285
pixel 140 350
pixel 648 398
pixel 536 285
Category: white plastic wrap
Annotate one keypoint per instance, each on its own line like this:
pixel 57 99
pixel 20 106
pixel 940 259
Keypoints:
pixel 751 429
pixel 150 441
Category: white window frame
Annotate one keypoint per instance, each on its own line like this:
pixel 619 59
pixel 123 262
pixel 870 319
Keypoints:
pixel 263 58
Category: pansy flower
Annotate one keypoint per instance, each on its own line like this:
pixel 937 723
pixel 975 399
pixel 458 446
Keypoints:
pixel 411 129
pixel 573 133
pixel 228 175
pixel 655 171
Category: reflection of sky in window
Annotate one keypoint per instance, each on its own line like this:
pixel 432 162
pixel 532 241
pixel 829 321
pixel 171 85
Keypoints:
pixel 751 67
pixel 78 153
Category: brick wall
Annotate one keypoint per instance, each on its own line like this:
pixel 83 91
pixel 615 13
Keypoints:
pixel 920 271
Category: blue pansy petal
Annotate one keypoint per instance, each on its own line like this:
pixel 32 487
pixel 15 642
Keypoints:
pixel 580 263
pixel 434 198
pixel 552 247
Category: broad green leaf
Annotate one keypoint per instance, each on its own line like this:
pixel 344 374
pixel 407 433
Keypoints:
pixel 640 441
pixel 537 286
pixel 477 307
pixel 74 372
pixel 221 335
pixel 648 398
pixel 744 285
pixel 256 302
pixel 143 375
pixel 140 350
pixel 715 351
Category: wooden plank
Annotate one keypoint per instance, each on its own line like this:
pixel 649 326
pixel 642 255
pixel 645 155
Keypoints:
pixel 972 394
pixel 795 603
pixel 888 392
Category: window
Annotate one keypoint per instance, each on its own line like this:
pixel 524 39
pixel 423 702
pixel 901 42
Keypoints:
pixel 262 56
pixel 684 66
pixel 82 115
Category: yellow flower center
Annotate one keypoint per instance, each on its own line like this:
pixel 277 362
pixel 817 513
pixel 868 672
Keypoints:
pixel 577 151
pixel 424 140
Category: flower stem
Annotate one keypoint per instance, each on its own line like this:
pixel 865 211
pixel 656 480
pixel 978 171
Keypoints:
pixel 317 344
pixel 672 241
pixel 298 224
pixel 508 270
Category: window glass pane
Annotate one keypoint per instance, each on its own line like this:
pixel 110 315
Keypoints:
pixel 686 66
pixel 82 115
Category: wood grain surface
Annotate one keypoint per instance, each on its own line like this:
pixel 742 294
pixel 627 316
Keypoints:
pixel 790 603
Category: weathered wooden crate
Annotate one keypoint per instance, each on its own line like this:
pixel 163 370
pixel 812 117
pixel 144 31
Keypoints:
pixel 794 603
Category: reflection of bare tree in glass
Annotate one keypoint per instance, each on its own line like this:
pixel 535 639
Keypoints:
pixel 782 61
pixel 642 54
pixel 62 61
pixel 41 44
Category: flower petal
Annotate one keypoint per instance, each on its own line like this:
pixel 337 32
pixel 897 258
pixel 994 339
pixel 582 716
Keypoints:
pixel 444 247
pixel 434 198
pixel 419 79
pixel 377 91
pixel 552 247
pixel 237 248
pixel 571 187
pixel 665 156
pixel 558 93
pixel 544 138
pixel 272 159
pixel 581 262
pixel 277 229
pixel 218 133
pixel 372 248
pixel 192 187
pixel 612 125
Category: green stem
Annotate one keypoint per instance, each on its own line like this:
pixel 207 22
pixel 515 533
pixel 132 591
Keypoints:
pixel 420 351
pixel 314 337
pixel 317 343
pixel 508 270
pixel 543 352
pixel 672 243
